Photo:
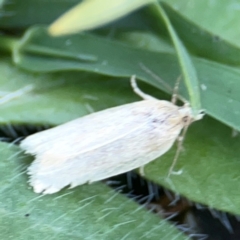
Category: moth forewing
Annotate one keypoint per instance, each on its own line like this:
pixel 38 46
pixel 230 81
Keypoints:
pixel 103 144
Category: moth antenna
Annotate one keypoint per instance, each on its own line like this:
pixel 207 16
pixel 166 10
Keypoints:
pixel 155 76
pixel 138 91
pixel 175 91
pixel 175 96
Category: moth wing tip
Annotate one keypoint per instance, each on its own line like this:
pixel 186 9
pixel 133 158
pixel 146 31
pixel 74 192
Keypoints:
pixel 26 147
pixel 39 187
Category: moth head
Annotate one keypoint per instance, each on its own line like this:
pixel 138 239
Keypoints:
pixel 188 116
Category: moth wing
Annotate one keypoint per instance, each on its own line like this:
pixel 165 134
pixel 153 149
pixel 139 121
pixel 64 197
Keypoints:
pixel 88 131
pixel 99 145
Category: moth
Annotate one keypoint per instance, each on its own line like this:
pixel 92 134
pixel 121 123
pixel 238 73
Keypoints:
pixel 105 143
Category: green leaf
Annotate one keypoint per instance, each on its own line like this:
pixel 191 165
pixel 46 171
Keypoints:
pixel 17 14
pixel 90 14
pixel 90 211
pixel 39 52
pixel 209 162
pixel 220 18
pixel 207 29
pixel 201 41
pixel 187 67
pixel 208 167
pixel 57 98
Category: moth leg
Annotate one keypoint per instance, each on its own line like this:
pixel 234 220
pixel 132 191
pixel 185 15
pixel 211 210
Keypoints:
pixel 175 95
pixel 179 148
pixel 138 91
pixel 141 171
